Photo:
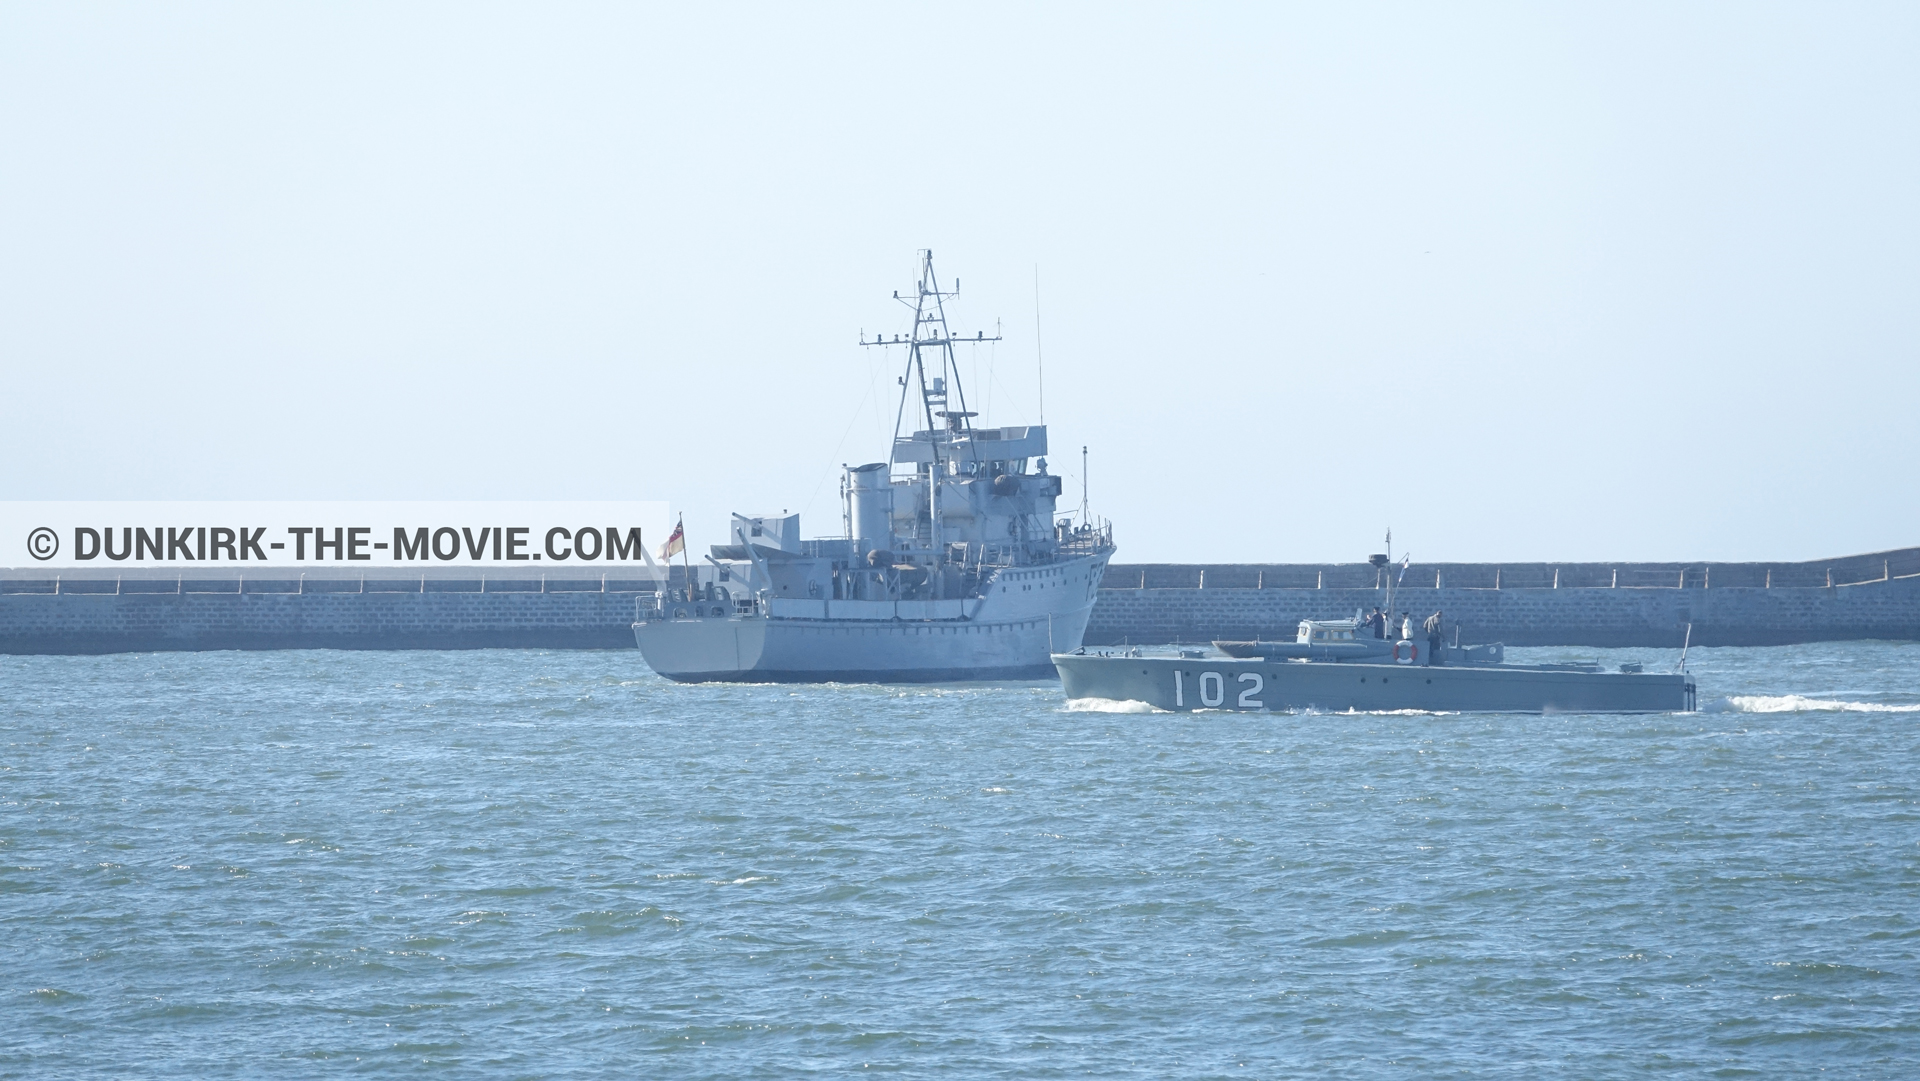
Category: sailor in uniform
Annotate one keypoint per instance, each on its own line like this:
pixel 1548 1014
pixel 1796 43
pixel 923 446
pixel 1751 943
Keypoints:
pixel 1434 637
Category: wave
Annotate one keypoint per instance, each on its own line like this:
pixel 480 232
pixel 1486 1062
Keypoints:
pixel 1795 703
pixel 1109 705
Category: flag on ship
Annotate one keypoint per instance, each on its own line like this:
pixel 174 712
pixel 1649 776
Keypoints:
pixel 1404 564
pixel 676 543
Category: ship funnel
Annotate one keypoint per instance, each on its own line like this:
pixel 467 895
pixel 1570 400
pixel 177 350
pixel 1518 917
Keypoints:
pixel 872 488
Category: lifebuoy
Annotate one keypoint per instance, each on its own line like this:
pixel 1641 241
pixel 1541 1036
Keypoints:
pixel 1411 652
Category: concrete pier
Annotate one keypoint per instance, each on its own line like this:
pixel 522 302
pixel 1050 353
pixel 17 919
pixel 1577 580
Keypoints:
pixel 449 608
pixel 1875 595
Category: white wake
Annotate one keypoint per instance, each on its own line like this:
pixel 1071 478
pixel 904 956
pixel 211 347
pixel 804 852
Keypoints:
pixel 1795 703
pixel 1109 705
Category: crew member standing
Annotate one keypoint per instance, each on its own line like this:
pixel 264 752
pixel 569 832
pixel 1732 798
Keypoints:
pixel 1378 621
pixel 1432 627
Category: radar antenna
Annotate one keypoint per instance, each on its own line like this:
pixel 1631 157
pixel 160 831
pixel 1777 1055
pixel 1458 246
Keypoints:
pixel 935 371
pixel 931 363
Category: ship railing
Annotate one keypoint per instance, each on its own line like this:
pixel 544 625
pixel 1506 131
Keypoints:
pixel 998 556
pixel 1085 540
pixel 985 559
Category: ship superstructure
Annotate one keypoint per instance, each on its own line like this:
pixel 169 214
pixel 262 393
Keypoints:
pixel 952 563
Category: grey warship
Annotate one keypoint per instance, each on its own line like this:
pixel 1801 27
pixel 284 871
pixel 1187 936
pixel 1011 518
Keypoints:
pixel 951 565
pixel 1334 665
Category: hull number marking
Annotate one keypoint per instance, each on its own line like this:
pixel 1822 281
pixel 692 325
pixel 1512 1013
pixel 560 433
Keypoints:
pixel 1247 699
pixel 1213 689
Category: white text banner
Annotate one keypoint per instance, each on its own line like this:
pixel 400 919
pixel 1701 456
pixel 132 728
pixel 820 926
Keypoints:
pixel 344 534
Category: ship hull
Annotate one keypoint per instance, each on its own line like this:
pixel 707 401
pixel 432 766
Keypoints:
pixel 1008 634
pixel 1260 686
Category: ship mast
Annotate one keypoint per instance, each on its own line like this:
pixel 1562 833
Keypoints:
pixel 930 346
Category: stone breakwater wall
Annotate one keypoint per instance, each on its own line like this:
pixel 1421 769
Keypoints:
pixel 1568 616
pixel 139 614
pixel 1821 573
pixel 1871 596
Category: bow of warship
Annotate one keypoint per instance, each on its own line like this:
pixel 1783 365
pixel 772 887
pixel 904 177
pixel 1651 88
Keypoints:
pixel 952 563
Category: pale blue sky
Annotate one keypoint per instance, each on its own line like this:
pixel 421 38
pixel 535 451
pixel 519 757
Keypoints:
pixel 1524 282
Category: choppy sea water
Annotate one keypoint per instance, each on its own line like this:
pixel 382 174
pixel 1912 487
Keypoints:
pixel 529 864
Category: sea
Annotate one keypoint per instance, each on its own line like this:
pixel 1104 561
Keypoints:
pixel 526 864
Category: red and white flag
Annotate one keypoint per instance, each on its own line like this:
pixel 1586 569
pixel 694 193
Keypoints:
pixel 676 543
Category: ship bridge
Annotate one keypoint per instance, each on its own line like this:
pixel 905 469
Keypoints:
pixel 968 448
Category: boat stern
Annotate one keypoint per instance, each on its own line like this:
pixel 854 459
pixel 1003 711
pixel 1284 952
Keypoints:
pixel 700 642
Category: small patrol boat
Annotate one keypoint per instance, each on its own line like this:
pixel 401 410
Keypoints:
pixel 1334 665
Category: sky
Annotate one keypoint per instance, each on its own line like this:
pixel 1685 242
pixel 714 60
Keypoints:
pixel 1527 282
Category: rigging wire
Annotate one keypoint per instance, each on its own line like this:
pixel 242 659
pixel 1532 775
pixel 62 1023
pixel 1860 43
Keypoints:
pixel 1039 359
pixel 993 353
pixel 1018 408
pixel 857 410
